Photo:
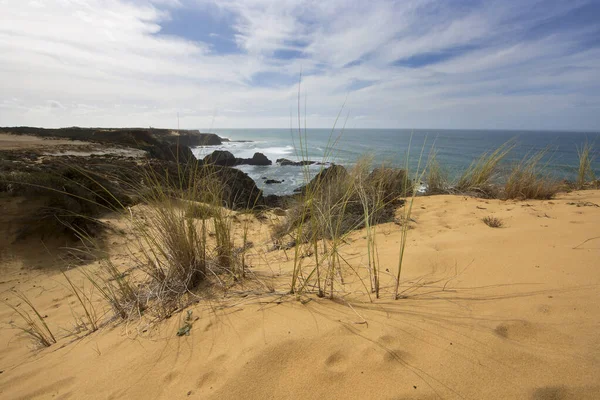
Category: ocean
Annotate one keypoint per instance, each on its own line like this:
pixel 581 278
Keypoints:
pixel 456 149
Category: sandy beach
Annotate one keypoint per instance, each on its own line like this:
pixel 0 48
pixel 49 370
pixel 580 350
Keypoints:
pixel 486 313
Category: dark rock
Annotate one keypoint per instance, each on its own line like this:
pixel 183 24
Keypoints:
pixel 257 159
pixel 195 138
pixel 285 161
pixel 172 152
pixel 239 190
pixel 260 159
pixel 222 158
pixel 272 181
pixel 325 176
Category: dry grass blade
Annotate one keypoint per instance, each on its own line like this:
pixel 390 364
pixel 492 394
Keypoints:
pixel 86 303
pixel 407 211
pixel 36 327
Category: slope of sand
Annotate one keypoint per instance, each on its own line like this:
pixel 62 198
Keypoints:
pixel 507 313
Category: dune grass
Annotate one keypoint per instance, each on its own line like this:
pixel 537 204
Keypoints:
pixel 480 175
pixel 35 325
pixel 90 322
pixel 493 222
pixel 407 212
pixel 436 177
pixel 527 179
pixel 585 170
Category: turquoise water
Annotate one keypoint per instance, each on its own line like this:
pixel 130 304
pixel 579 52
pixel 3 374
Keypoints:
pixel 456 149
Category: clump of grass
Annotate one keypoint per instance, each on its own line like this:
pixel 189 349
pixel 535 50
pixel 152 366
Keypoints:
pixel 199 211
pixel 493 222
pixel 116 287
pixel 585 171
pixel 436 178
pixel 36 326
pixel 527 180
pixel 481 173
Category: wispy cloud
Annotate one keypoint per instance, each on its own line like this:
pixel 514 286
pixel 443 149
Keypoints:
pixel 235 63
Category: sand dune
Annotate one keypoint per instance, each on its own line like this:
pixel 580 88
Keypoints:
pixel 487 313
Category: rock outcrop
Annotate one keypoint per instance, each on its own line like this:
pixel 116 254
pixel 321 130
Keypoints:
pixel 226 158
pixel 326 176
pixel 285 161
pixel 257 159
pixel 221 158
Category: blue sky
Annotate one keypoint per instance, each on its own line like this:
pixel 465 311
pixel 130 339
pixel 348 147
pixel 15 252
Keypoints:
pixel 497 64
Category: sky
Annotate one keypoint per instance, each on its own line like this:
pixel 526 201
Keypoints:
pixel 456 64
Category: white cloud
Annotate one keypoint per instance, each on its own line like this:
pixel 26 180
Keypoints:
pixel 104 63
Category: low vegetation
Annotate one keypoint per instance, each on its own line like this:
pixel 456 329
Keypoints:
pixel 34 324
pixel 480 176
pixel 528 179
pixel 585 170
pixel 493 222
pixel 436 178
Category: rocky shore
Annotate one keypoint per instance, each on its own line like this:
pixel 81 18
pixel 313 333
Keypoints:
pixel 35 157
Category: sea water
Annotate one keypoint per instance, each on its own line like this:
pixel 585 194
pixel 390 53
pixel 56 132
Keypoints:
pixel 456 150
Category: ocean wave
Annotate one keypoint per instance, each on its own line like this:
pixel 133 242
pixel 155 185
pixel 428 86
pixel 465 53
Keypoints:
pixel 276 150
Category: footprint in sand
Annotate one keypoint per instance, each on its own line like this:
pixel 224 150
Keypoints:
pixel 395 355
pixel 518 330
pixel 392 352
pixel 544 309
pixel 336 362
pixel 208 378
pixel 170 377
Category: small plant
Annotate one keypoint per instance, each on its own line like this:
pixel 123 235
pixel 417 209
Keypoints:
pixel 36 326
pixel 492 222
pixel 585 170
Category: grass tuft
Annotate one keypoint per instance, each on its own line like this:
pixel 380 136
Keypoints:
pixel 480 175
pixel 436 177
pixel 527 180
pixel 585 171
pixel 36 326
pixel 493 222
